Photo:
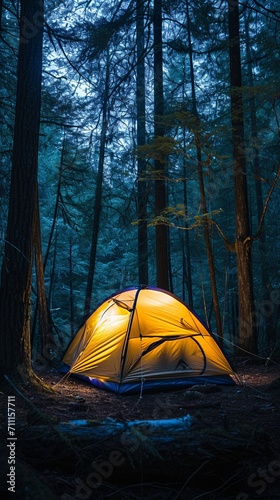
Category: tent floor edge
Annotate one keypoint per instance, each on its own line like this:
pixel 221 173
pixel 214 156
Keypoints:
pixel 152 386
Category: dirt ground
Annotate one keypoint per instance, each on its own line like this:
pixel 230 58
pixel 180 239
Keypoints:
pixel 251 401
pixel 254 403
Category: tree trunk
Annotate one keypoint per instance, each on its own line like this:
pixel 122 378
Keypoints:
pixel 98 194
pixel 187 272
pixel 243 244
pixel 186 251
pixel 71 291
pixel 58 196
pixel 267 321
pixel 1 11
pixel 208 246
pixel 45 328
pixel 50 240
pixel 15 292
pixel 160 185
pixel 210 257
pixel 141 140
pixel 52 273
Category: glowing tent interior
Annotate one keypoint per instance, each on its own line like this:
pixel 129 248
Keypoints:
pixel 145 338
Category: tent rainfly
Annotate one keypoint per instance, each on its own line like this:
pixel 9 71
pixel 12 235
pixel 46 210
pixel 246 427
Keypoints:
pixel 145 338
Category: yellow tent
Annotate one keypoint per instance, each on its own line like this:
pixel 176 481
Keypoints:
pixel 145 338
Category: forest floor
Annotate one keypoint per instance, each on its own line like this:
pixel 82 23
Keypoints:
pixel 244 454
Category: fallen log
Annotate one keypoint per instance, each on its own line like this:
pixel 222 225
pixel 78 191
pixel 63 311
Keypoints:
pixel 141 450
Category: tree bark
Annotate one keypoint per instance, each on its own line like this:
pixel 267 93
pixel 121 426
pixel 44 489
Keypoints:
pixel 58 196
pixel 267 321
pixel 1 11
pixel 52 273
pixel 206 231
pixel 243 243
pixel 71 288
pixel 16 275
pixel 159 166
pixel 45 323
pixel 186 249
pixel 98 194
pixel 141 140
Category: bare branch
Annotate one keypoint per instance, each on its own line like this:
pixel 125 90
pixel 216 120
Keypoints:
pixel 229 245
pixel 256 236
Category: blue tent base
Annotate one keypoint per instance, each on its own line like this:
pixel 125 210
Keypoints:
pixel 153 386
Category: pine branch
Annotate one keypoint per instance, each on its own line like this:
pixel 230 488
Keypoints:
pixel 274 12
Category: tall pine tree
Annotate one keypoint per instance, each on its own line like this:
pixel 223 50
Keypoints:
pixel 16 276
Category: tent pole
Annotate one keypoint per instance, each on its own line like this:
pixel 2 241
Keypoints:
pixel 125 345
